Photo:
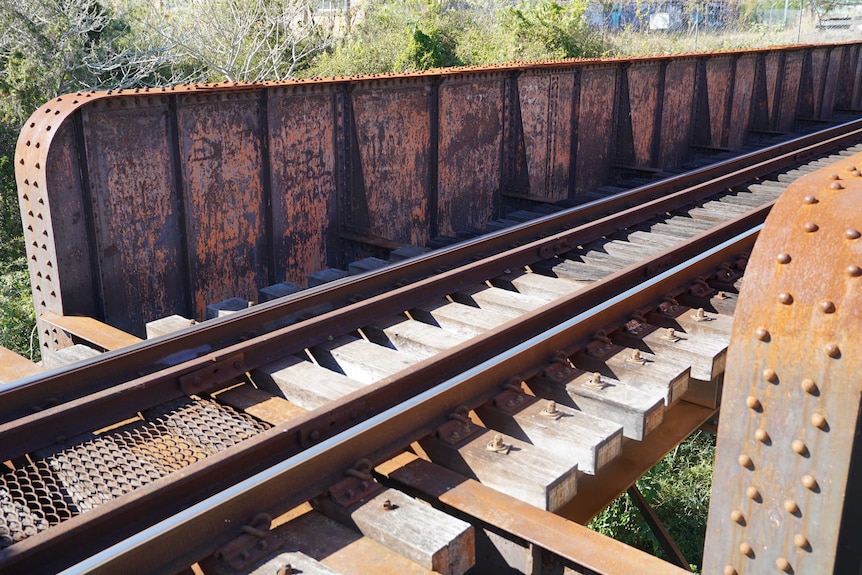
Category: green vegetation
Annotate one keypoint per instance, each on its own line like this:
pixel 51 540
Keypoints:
pixel 677 488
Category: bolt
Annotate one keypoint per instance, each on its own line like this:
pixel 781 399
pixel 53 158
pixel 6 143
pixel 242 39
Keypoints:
pixel 852 234
pixel 387 505
pixel 761 435
pixel 811 227
pixel 737 517
pixel 783 258
pixel 745 549
pixel 636 356
pixel 783 564
pixel 670 335
pixel 791 507
pixel 745 461
pixel 809 482
pixel 770 375
pixel 596 381
pixel 551 408
pixel 314 435
pixel 753 403
pixel 497 445
pixel 808 386
pixel 801 541
pixel 854 271
pixel 762 334
pixel 827 306
pixel 721 295
pixel 753 494
pixel 832 350
pixel 799 446
pixel 785 298
pixel 818 421
pixel 285 570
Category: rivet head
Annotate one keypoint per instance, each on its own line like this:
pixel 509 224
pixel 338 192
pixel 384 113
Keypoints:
pixel 730 570
pixel 314 435
pixel 854 271
pixel 832 350
pixel 827 306
pixel 790 506
pixel 808 386
pixel 737 516
pixel 811 227
pixel 800 541
pixel 809 200
pixel 770 375
pixel 745 461
pixel 783 258
pixel 809 482
pixel 834 177
pixel 798 446
pixel 762 334
pixel 818 420
pixel 835 186
pixel 785 298
pixel 852 234
pixel 745 549
pixel 782 564
pixel 752 493
pixel 761 435
pixel 753 403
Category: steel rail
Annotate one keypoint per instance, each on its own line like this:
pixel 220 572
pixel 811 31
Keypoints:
pixel 111 368
pixel 289 481
pixel 590 308
pixel 63 385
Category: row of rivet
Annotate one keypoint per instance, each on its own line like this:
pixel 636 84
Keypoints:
pixel 818 420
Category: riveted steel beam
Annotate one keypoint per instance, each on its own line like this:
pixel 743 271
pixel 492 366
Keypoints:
pixel 786 493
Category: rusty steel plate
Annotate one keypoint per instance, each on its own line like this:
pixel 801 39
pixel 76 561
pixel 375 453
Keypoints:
pixel 785 496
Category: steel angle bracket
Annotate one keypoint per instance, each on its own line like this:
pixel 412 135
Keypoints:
pixel 786 496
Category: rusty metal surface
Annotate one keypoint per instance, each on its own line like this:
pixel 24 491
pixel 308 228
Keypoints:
pixel 151 196
pixel 120 367
pixel 786 495
pixel 460 373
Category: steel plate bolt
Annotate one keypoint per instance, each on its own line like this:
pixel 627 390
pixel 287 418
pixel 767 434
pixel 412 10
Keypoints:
pixel 753 494
pixel 730 570
pixel 762 334
pixel 799 447
pixel 745 461
pixel 811 227
pixel 387 505
pixel 785 298
pixel 852 234
pixel 791 507
pixel 746 549
pixel 770 375
pixel 854 271
pixel 809 200
pixel 827 306
pixel 809 482
pixel 753 403
pixel 783 258
pixel 761 435
pixel 818 421
pixel 801 541
pixel 285 570
pixel 832 350
pixel 737 517
pixel 808 386
pixel 783 564
pixel 497 445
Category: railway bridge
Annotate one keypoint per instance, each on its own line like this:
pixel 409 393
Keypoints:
pixel 274 317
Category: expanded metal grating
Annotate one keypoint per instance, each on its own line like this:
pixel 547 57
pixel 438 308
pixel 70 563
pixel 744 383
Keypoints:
pixel 80 476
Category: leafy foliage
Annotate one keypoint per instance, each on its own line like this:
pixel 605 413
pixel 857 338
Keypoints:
pixel 678 489
pixel 16 307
